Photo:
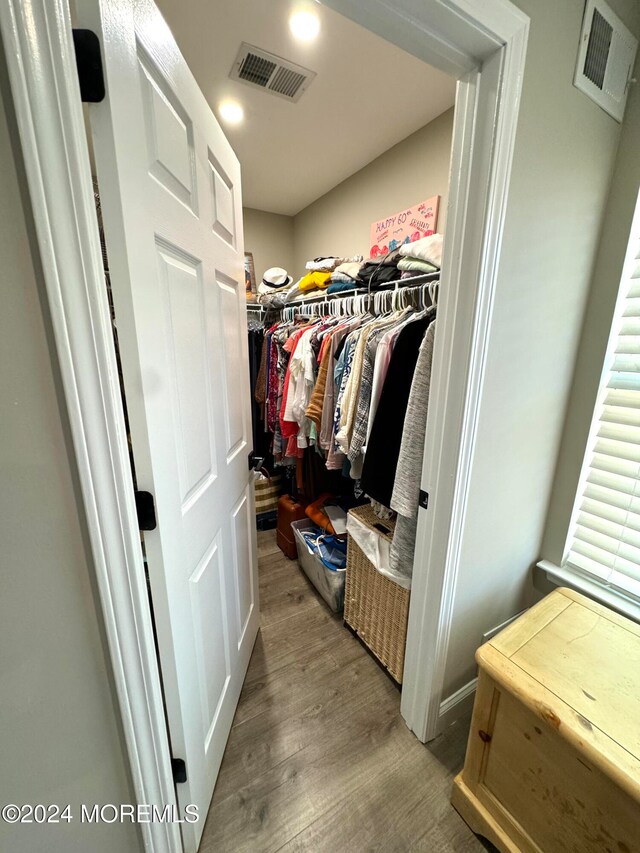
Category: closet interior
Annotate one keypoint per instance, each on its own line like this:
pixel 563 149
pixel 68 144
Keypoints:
pixel 340 366
pixel 342 301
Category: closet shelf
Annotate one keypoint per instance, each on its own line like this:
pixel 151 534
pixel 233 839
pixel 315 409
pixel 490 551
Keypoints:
pixel 399 283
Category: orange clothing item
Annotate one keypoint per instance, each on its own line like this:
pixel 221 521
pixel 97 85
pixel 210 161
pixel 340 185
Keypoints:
pixel 314 409
pixel 315 512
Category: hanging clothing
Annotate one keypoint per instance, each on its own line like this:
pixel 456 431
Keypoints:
pixel 381 366
pixel 352 389
pixel 379 469
pixel 261 439
pixel 288 424
pixel 314 409
pixel 261 382
pixel 302 369
pixel 272 381
pixel 279 339
pixel 317 380
pixel 358 435
pixel 328 403
pixel 335 457
pixel 406 488
pixel 256 337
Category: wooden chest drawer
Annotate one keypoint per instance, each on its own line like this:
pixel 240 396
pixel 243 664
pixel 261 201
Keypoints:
pixel 553 755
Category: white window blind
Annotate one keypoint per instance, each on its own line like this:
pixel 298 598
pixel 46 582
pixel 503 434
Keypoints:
pixel 604 539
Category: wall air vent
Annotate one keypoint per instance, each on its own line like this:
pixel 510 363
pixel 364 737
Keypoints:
pixel 605 58
pixel 271 73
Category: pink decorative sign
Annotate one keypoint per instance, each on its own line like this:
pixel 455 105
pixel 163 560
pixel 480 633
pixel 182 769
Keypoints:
pixel 404 227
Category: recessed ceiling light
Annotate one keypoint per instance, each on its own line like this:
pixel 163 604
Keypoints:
pixel 231 112
pixel 304 25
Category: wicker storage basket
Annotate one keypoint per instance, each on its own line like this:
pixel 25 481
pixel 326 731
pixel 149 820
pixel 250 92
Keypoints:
pixel 375 607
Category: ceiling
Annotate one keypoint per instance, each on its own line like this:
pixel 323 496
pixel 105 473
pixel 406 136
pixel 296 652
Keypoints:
pixel 367 96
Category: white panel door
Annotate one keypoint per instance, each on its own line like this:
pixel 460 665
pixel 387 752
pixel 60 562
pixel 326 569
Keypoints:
pixel 171 202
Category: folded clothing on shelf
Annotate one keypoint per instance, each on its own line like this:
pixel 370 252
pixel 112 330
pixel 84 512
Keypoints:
pixel 427 249
pixel 314 281
pixel 323 264
pixel 344 286
pixel 330 263
pixel 374 274
pixel 347 271
pixel 415 265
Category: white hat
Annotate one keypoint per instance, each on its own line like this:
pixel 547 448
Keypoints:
pixel 274 279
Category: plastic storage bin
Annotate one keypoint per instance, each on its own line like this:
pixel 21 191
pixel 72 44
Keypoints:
pixel 329 583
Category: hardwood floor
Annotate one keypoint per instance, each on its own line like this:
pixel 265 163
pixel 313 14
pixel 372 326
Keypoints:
pixel 319 758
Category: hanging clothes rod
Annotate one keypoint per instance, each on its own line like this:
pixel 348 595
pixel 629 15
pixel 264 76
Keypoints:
pixel 420 296
pixel 398 284
pixel 355 291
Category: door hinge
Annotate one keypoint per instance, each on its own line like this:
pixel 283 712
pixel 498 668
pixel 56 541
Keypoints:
pixel 146 510
pixel 89 65
pixel 423 499
pixel 179 770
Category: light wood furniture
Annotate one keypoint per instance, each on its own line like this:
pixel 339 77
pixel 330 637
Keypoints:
pixel 553 758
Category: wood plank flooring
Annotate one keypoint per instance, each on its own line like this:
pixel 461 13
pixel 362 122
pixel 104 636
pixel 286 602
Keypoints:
pixel 319 758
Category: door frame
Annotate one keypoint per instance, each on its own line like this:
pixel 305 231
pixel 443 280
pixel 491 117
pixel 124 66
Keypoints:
pixel 483 43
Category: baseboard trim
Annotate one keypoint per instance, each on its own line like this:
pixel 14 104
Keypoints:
pixel 457 705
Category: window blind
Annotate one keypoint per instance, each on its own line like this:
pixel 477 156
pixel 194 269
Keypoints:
pixel 604 540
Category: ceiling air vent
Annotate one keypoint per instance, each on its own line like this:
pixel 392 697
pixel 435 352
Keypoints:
pixel 271 73
pixel 605 58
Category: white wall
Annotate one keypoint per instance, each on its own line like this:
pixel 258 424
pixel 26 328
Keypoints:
pixel 596 328
pixel 269 236
pixel 413 170
pixel 339 221
pixel 61 740
pixel 564 157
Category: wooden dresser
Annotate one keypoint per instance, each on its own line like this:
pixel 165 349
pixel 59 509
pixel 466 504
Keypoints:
pixel 553 758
